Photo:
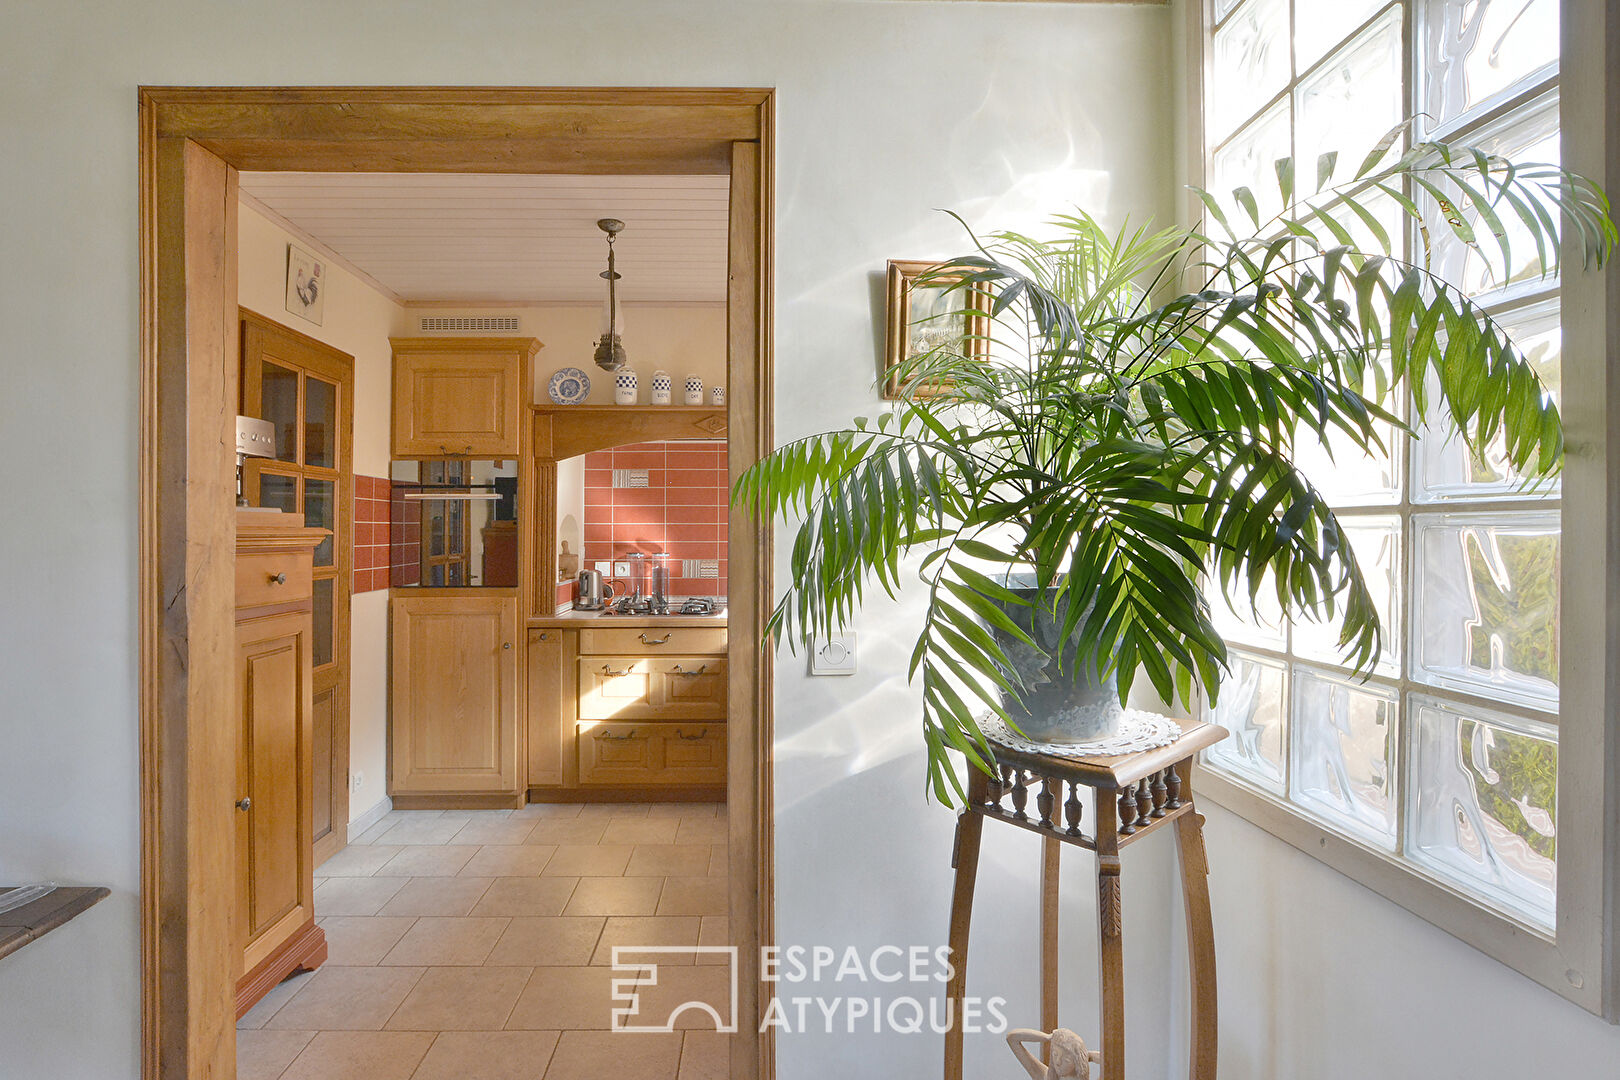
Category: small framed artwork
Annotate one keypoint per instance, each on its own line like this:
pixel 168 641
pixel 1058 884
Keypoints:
pixel 306 284
pixel 920 320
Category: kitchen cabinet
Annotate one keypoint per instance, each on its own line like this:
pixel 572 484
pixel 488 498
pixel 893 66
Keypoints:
pixel 551 704
pixel 274 731
pixel 461 397
pixel 454 714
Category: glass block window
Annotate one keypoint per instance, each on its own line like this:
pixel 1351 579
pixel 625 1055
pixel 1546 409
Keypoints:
pixel 1445 758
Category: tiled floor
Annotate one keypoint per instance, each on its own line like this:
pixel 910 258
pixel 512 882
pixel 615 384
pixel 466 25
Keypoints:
pixel 476 946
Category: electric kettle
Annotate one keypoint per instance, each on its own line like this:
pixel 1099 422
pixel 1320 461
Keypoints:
pixel 593 592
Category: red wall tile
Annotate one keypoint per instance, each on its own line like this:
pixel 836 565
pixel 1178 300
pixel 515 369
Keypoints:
pixel 681 512
pixel 372 552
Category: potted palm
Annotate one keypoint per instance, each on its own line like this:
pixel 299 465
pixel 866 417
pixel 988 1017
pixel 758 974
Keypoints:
pixel 1125 435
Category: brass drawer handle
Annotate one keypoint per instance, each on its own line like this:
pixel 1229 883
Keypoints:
pixel 610 673
pixel 608 735
pixel 278 579
pixel 645 640
pixel 684 737
pixel 690 674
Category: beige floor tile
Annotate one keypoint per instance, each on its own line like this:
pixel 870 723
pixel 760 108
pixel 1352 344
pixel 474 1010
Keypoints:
pixel 355 896
pixel 495 831
pixel 720 861
pixel 568 830
pixel 361 940
pixel 488 1055
pixel 681 809
pixel 437 896
pixel 613 810
pixel 265 1055
pixel 582 1055
pixel 582 860
pixel 278 996
pixel 374 833
pixel 680 987
pixel 519 860
pixel 705 1055
pixel 460 999
pixel 634 931
pixel 665 860
pixel 642 830
pixel 556 941
pixel 358 860
pixel 361 1055
pixel 435 940
pixel 702 831
pixel 716 931
pixel 565 998
pixel 615 896
pixel 435 830
pixel 526 896
pixel 347 999
pixel 428 860
pixel 548 810
pixel 693 896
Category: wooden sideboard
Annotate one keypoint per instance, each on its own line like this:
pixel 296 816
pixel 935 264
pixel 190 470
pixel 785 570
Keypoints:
pixel 274 730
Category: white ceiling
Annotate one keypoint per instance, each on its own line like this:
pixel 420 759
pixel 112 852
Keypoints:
pixel 472 238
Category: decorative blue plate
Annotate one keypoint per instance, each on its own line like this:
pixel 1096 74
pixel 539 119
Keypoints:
pixel 570 386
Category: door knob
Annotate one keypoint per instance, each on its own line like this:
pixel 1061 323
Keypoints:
pixel 244 803
pixel 278 579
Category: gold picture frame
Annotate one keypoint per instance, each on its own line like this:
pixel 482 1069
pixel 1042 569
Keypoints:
pixel 907 336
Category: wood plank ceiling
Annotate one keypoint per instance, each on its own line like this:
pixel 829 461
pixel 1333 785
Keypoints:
pixel 502 239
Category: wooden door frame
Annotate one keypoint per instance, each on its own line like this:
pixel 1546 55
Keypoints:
pixel 192 143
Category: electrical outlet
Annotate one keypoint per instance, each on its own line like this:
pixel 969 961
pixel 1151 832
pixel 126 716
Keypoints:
pixel 621 569
pixel 833 654
pixel 357 780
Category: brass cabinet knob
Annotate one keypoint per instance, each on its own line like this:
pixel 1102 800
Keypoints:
pixel 244 803
pixel 278 579
pixel 506 644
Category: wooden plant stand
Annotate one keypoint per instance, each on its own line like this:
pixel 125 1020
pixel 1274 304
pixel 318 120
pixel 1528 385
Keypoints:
pixel 1136 794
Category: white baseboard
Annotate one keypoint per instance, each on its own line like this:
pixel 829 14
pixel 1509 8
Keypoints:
pixel 358 825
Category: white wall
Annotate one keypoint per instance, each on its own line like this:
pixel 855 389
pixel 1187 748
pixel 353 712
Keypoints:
pixel 358 320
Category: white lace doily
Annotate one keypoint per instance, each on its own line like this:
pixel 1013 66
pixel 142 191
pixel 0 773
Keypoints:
pixel 1138 731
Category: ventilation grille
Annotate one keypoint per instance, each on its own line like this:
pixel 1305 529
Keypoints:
pixel 629 478
pixel 482 324
pixel 700 568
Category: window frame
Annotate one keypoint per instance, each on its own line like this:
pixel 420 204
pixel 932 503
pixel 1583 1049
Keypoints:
pixel 1578 960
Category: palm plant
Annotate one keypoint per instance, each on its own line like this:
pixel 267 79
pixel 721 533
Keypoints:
pixel 1120 443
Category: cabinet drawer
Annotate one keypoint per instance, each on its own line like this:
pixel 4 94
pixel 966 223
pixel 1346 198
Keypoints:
pixel 666 754
pixel 272 577
pixel 690 640
pixel 652 688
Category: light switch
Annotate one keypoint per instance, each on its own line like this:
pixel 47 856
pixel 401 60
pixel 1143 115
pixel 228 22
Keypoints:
pixel 833 654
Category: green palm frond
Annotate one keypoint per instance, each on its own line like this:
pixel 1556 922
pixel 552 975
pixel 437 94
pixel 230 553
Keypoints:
pixel 1132 435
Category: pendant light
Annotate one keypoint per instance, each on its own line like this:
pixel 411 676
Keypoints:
pixel 610 350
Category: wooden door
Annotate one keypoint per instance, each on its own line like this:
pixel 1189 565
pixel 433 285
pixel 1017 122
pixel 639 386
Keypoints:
pixel 454 715
pixel 306 389
pixel 273 815
pixel 454 397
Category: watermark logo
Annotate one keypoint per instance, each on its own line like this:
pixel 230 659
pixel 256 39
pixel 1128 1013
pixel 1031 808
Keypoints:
pixel 627 992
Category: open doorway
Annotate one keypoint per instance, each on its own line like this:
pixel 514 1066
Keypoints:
pixel 194 142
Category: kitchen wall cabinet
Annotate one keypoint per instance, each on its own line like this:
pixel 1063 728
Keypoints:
pixel 461 397
pixel 275 732
pixel 455 702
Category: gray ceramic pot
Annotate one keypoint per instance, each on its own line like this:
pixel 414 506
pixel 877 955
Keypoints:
pixel 1070 705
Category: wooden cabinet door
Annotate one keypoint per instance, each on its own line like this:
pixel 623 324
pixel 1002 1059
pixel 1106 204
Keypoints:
pixel 550 704
pixel 275 860
pixel 454 715
pixel 652 688
pixel 451 403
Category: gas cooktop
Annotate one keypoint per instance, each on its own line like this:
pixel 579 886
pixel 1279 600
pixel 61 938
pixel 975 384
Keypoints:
pixel 695 606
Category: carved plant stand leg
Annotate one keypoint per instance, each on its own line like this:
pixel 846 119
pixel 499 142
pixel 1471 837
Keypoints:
pixel 969 828
pixel 1200 944
pixel 1111 942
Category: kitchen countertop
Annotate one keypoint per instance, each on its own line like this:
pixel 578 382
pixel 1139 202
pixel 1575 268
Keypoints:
pixel 574 620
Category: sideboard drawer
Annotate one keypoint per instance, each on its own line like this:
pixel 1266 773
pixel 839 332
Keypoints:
pixel 652 688
pixel 661 754
pixel 272 577
pixel 691 640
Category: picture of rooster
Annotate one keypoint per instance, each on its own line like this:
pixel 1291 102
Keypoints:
pixel 306 285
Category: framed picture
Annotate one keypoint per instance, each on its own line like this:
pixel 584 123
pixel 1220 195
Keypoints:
pixel 306 284
pixel 919 321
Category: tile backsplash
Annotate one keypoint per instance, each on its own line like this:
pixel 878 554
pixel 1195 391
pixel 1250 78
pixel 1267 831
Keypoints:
pixel 372 553
pixel 679 509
